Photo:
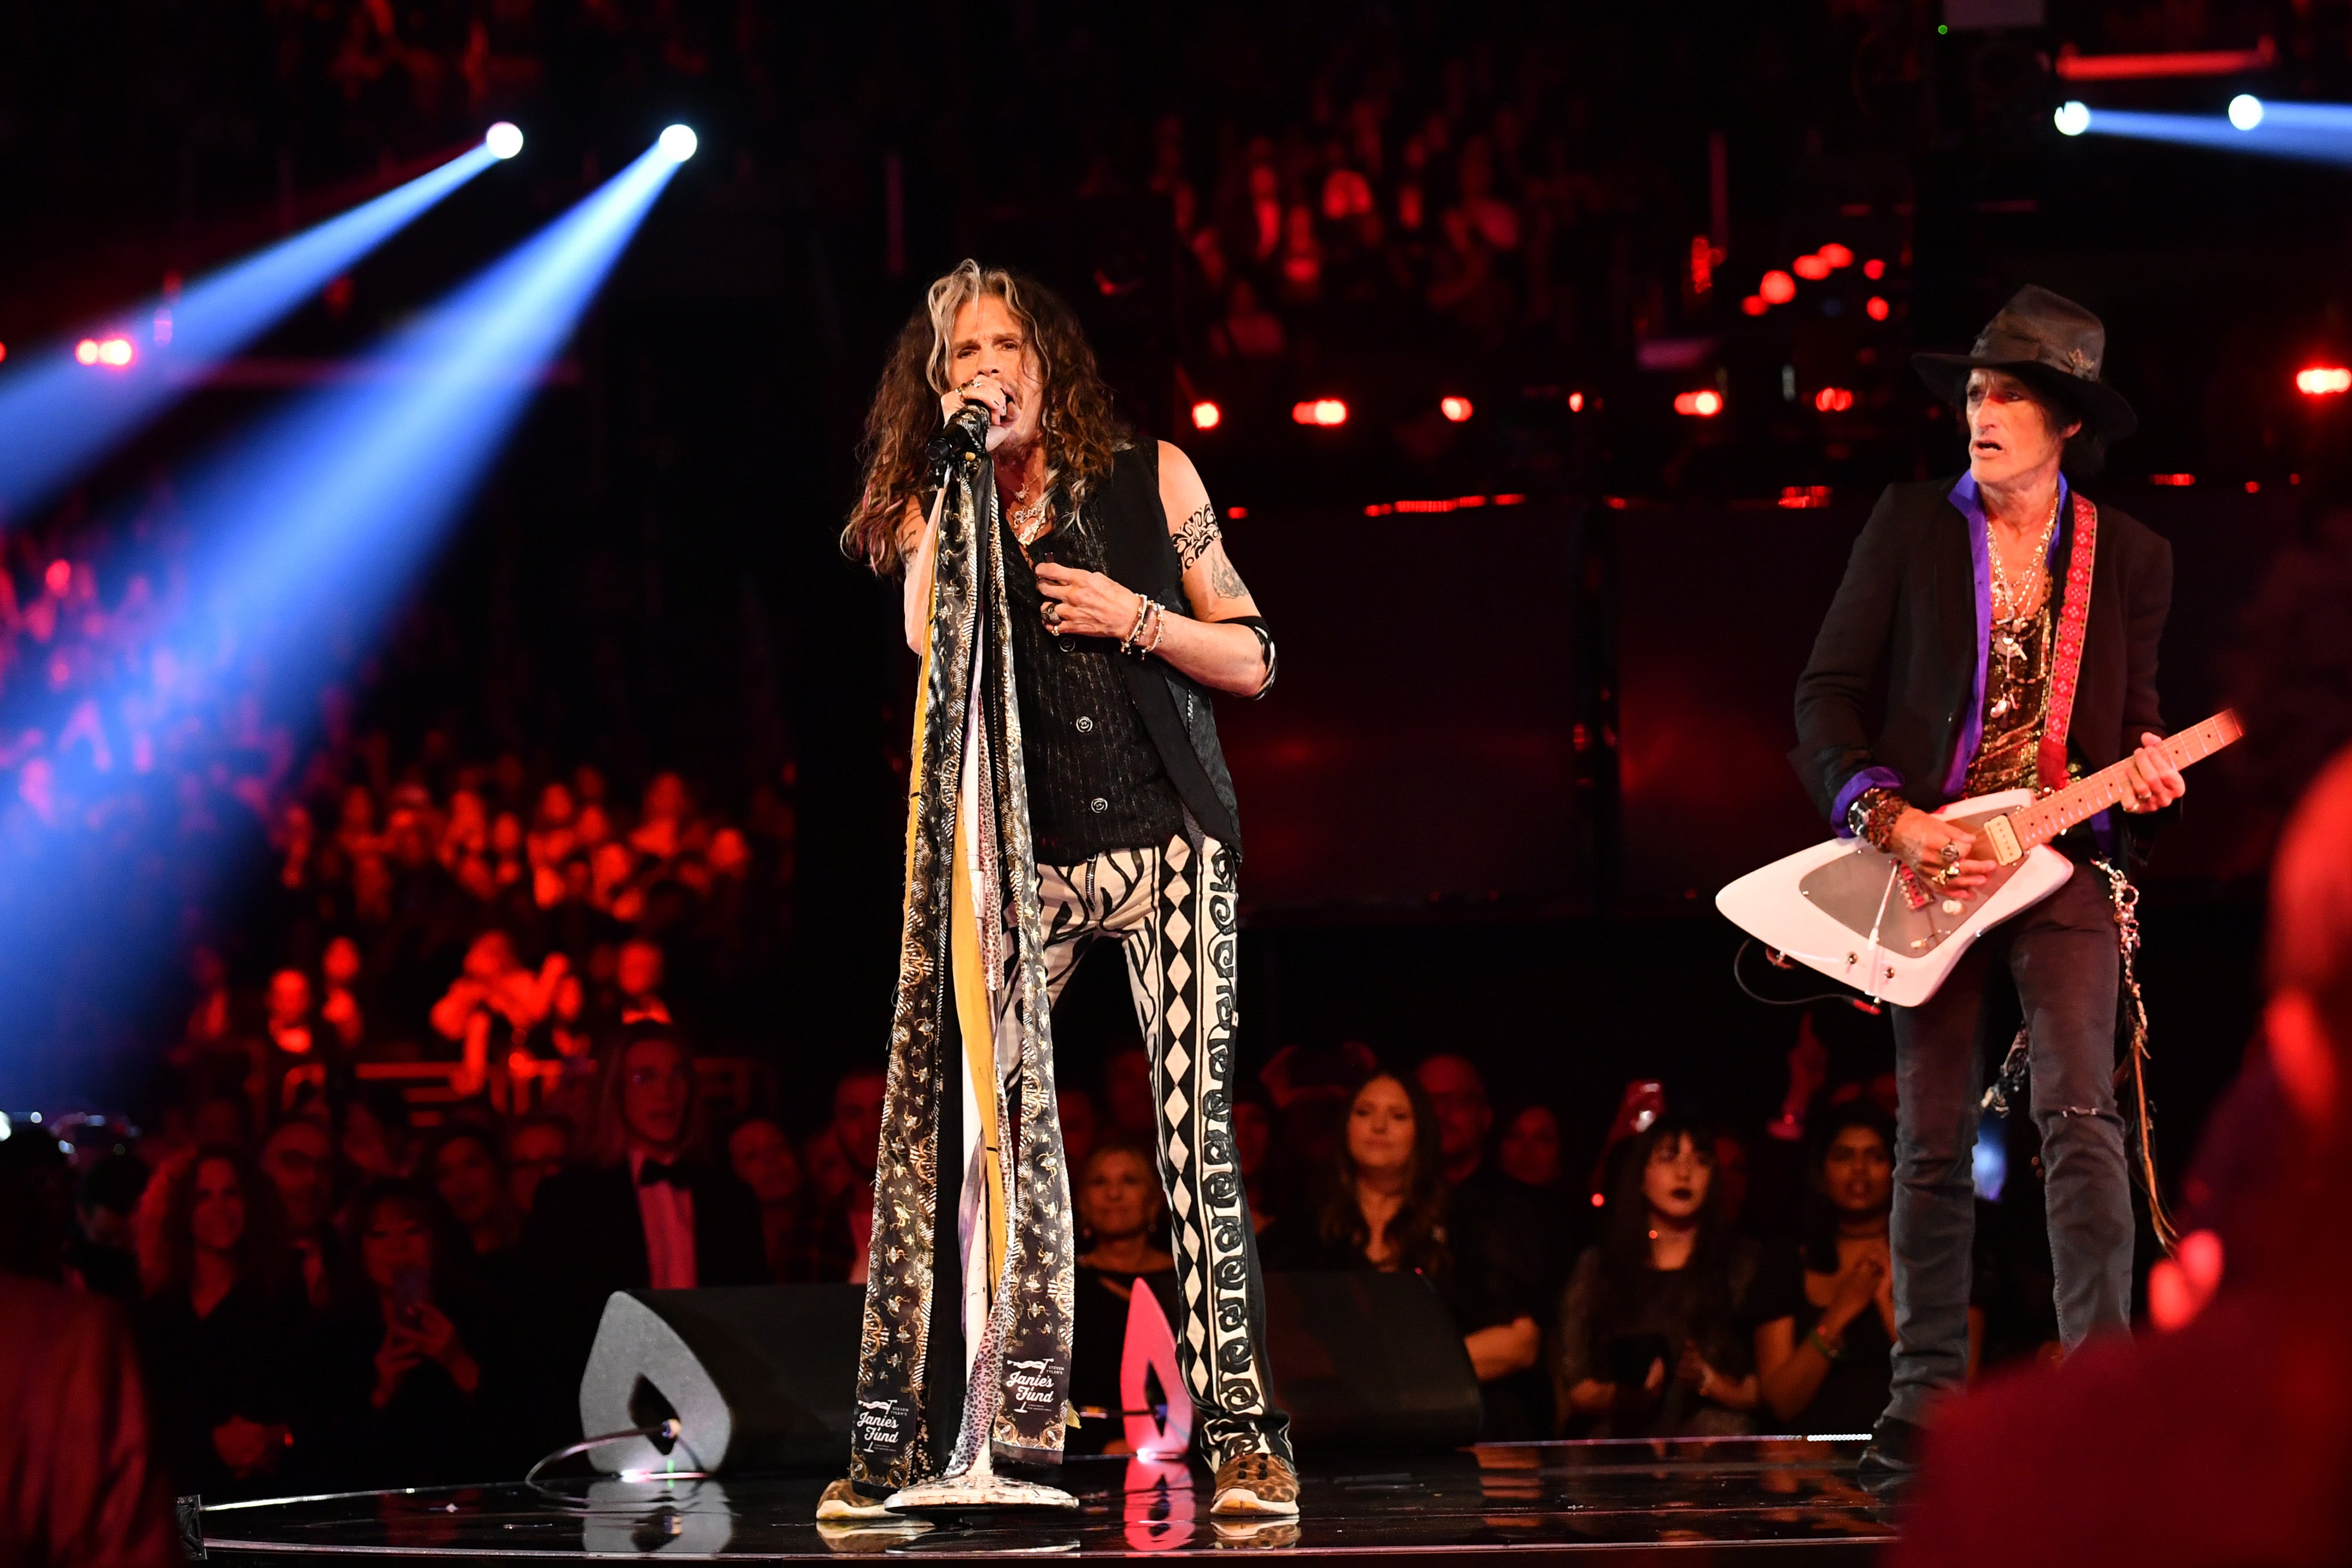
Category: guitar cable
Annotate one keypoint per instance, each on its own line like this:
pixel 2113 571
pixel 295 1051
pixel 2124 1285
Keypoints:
pixel 1859 1004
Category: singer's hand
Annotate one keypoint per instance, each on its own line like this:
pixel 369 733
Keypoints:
pixel 990 394
pixel 1086 603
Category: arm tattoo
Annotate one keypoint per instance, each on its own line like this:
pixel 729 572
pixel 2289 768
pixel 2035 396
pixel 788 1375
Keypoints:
pixel 1223 578
pixel 1199 532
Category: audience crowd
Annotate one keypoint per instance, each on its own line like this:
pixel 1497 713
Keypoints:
pixel 335 1284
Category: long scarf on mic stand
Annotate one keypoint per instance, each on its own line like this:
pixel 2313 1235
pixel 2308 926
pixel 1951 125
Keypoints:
pixel 971 1018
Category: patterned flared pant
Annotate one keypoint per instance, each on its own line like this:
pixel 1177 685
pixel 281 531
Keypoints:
pixel 1172 910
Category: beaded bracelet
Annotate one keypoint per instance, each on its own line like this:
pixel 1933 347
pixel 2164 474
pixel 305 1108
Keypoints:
pixel 1143 614
pixel 1883 808
pixel 1159 630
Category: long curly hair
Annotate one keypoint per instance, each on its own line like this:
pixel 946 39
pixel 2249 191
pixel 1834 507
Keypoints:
pixel 1080 432
pixel 165 1224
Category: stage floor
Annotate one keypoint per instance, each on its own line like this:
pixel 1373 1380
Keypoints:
pixel 1789 1499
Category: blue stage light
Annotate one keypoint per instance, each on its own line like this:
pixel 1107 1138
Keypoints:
pixel 332 505
pixel 308 531
pixel 2073 118
pixel 2312 133
pixel 2245 111
pixel 57 417
pixel 504 139
pixel 678 142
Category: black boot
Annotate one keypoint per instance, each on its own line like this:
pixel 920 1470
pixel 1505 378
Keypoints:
pixel 1892 1461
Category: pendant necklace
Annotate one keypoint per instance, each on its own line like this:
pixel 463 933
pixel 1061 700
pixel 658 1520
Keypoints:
pixel 1029 521
pixel 2004 596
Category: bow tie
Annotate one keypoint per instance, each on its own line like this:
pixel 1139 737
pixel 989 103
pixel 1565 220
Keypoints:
pixel 654 1171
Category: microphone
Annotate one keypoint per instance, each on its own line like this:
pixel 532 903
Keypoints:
pixel 965 434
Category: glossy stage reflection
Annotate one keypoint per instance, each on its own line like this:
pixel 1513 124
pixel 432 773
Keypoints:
pixel 1794 1494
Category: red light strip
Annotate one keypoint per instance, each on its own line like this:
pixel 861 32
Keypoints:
pixel 1458 504
pixel 2072 66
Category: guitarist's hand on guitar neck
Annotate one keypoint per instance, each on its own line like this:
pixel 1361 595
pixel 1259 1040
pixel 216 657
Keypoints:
pixel 2157 783
pixel 1917 840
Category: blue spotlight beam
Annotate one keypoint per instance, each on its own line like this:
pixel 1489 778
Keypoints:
pixel 308 530
pixel 346 492
pixel 2311 132
pixel 57 417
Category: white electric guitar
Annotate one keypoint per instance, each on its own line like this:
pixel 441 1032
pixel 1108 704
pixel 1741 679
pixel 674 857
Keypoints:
pixel 1858 916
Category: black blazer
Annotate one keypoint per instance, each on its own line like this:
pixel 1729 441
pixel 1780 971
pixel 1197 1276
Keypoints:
pixel 1893 668
pixel 587 1235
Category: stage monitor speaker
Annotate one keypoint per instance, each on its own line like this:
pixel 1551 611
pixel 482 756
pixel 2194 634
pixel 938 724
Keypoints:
pixel 764 1377
pixel 1367 1359
pixel 761 1377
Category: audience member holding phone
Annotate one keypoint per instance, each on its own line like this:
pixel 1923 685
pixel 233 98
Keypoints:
pixel 400 1380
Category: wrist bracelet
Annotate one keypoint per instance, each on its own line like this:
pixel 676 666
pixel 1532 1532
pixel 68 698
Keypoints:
pixel 1159 630
pixel 1821 1341
pixel 1881 808
pixel 1143 614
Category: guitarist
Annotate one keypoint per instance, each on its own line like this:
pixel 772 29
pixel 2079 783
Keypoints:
pixel 1962 655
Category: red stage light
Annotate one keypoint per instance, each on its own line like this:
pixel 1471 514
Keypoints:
pixel 1576 403
pixel 1837 255
pixel 1325 412
pixel 1700 404
pixel 1873 269
pixel 1206 415
pixel 1877 309
pixel 2176 481
pixel 86 351
pixel 1834 400
pixel 1804 497
pixel 2253 487
pixel 4 353
pixel 1811 268
pixel 1599 1201
pixel 115 352
pixel 1237 512
pixel 1755 305
pixel 1777 288
pixel 1702 265
pixel 1456 409
pixel 59 577
pixel 2322 381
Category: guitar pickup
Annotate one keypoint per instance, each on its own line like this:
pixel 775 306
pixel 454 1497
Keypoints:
pixel 2005 849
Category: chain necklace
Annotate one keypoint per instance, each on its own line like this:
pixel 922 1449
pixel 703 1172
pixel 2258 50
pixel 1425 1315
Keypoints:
pixel 1029 521
pixel 2004 595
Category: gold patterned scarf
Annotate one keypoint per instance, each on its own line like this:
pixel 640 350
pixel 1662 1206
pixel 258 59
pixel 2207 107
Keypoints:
pixel 971 1018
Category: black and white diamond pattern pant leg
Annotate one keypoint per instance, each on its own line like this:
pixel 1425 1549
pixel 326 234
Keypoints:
pixel 1172 912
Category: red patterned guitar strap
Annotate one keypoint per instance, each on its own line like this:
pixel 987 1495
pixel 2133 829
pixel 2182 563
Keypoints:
pixel 2066 662
pixel 2050 765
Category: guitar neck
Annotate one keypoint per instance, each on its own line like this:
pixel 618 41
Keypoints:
pixel 2085 797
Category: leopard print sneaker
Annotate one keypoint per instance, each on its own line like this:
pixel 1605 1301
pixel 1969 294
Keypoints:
pixel 843 1503
pixel 1257 1484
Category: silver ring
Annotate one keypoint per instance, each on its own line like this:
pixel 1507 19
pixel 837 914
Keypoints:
pixel 1950 853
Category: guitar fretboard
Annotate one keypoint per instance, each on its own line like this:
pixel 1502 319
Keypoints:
pixel 2085 797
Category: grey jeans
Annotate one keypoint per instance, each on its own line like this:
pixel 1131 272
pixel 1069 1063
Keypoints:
pixel 2060 957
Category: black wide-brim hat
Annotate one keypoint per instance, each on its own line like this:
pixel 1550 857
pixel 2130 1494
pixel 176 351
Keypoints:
pixel 2049 341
